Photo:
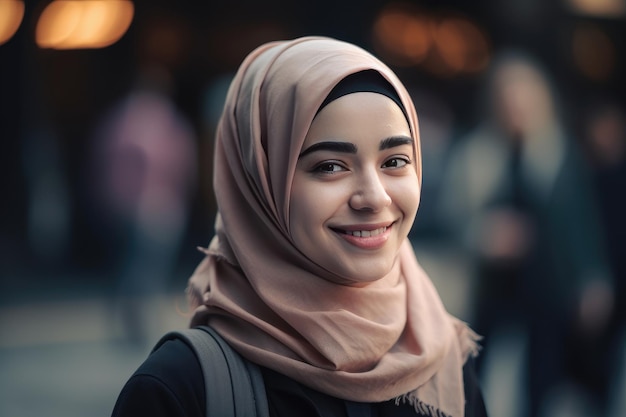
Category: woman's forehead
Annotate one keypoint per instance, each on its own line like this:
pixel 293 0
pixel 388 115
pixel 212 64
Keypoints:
pixel 355 111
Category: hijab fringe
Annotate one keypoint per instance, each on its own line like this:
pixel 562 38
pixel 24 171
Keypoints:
pixel 472 350
pixel 206 251
pixel 473 341
pixel 419 406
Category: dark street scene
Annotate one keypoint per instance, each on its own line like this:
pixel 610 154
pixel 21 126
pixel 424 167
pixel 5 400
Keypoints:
pixel 108 114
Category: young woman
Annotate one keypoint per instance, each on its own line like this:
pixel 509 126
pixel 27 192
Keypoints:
pixel 311 275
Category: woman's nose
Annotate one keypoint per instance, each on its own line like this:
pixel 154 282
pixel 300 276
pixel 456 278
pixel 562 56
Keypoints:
pixel 370 194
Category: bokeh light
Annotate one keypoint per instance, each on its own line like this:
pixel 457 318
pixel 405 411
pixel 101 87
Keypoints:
pixel 463 46
pixel 11 15
pixel 405 37
pixel 443 44
pixel 83 24
pixel 600 8
pixel 593 52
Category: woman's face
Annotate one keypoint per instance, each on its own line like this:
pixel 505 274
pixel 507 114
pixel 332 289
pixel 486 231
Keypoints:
pixel 355 191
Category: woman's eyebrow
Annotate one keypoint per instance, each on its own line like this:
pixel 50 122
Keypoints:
pixel 345 147
pixel 394 141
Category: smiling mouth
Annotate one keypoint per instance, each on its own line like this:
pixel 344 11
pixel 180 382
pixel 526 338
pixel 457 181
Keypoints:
pixel 369 239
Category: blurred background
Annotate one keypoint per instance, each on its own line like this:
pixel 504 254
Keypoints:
pixel 107 113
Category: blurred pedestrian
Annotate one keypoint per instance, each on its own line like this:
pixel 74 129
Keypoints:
pixel 145 170
pixel 519 199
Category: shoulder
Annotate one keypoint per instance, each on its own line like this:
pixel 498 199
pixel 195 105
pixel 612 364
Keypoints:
pixel 168 383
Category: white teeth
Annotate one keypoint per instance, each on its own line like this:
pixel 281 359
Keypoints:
pixel 366 233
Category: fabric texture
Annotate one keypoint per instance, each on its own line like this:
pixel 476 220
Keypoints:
pixel 361 342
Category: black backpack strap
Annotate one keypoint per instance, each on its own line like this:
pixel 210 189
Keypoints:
pixel 245 395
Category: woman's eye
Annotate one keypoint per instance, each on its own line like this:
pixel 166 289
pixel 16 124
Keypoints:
pixel 328 168
pixel 396 163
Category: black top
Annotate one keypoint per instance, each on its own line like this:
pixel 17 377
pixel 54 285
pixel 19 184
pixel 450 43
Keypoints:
pixel 170 383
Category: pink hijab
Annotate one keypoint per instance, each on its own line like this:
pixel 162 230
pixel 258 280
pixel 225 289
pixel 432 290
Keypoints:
pixel 391 339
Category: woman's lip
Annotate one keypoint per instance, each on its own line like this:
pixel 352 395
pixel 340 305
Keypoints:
pixel 366 236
